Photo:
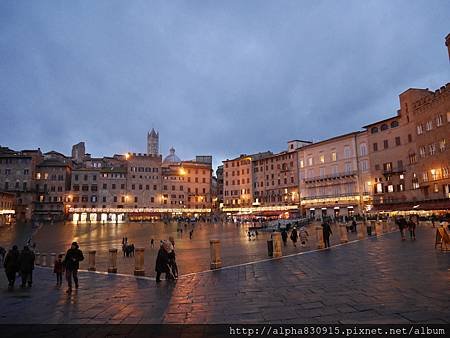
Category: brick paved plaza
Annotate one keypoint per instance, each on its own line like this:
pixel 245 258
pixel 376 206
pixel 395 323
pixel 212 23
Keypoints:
pixel 378 280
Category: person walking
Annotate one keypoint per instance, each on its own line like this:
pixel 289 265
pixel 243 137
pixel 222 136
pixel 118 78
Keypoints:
pixel 172 259
pixel 326 229
pixel 284 236
pixel 402 224
pixel 152 243
pixel 294 236
pixel 303 234
pixel 2 254
pixel 162 262
pixel 412 229
pixel 26 266
pixel 58 268
pixel 72 263
pixel 11 265
pixel 354 225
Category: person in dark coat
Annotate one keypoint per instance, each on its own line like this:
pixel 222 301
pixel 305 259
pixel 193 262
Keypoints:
pixel 72 263
pixel 26 266
pixel 172 259
pixel 326 229
pixel 412 229
pixel 2 254
pixel 402 225
pixel 284 236
pixel 58 268
pixel 11 265
pixel 353 225
pixel 294 236
pixel 162 262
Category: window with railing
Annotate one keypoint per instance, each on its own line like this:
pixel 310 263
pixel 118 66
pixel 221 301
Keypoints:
pixel 442 145
pixel 419 129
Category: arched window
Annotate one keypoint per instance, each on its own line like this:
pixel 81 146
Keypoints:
pixel 374 130
pixel 384 127
pixel 394 124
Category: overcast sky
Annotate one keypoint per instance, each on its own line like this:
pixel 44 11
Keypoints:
pixel 213 77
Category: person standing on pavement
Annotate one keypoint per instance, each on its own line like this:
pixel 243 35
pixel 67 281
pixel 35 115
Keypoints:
pixel 26 266
pixel 294 236
pixel 2 254
pixel 284 236
pixel 58 268
pixel 172 259
pixel 72 263
pixel 326 229
pixel 303 234
pixel 354 225
pixel 11 265
pixel 402 225
pixel 162 262
pixel 412 229
pixel 152 243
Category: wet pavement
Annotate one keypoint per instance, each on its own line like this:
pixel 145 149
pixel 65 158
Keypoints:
pixel 193 255
pixel 377 280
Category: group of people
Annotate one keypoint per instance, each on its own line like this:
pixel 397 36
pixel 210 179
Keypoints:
pixel 19 262
pixel 127 249
pixel 301 234
pixel 22 263
pixel 404 224
pixel 166 261
pixel 252 235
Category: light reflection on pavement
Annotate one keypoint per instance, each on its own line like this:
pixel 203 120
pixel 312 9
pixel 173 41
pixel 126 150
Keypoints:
pixel 192 254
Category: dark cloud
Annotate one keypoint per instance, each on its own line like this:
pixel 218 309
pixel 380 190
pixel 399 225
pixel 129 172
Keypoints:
pixel 219 78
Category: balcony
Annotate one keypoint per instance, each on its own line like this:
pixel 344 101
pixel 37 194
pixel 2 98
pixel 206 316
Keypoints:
pixel 394 170
pixel 350 174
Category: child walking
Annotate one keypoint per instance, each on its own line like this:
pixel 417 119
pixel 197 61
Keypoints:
pixel 58 269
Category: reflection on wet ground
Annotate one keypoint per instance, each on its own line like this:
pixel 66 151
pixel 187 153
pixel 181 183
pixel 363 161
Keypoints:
pixel 193 255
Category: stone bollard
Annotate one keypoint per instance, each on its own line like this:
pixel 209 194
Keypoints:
pixel 139 262
pixel 270 247
pixel 52 259
pixel 112 261
pixel 319 237
pixel 361 228
pixel 37 257
pixel 44 259
pixel 92 260
pixel 343 233
pixel 277 251
pixel 214 246
pixel 379 228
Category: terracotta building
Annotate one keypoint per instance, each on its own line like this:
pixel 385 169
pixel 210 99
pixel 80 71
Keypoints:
pixel 238 180
pixel 430 167
pixel 275 177
pixel 186 184
pixel 17 175
pixel 53 177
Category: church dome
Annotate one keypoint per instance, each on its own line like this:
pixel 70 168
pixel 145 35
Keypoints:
pixel 172 158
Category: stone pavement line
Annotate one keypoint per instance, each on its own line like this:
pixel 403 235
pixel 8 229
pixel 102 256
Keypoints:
pixel 235 265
